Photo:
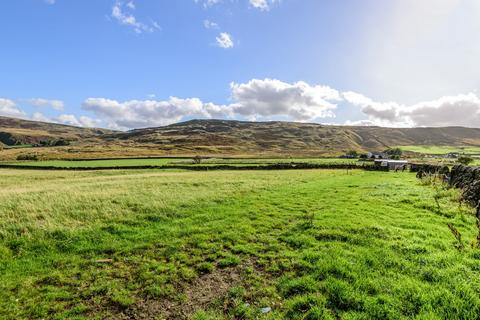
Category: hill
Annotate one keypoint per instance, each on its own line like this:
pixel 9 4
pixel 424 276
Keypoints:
pixel 25 132
pixel 226 136
pixel 223 138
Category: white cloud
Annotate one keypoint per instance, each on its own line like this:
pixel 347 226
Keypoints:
pixel 38 116
pixel 263 5
pixel 269 97
pixel 459 110
pixel 224 40
pixel 50 2
pixel 255 99
pixel 210 24
pixel 131 5
pixel 68 119
pixel 8 108
pixel 148 113
pixel 40 102
pixel 130 20
pixel 72 120
pixel 208 3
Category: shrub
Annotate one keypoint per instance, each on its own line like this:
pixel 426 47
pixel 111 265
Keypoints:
pixel 61 142
pixel 465 160
pixel 27 157
pixel 394 153
pixel 352 154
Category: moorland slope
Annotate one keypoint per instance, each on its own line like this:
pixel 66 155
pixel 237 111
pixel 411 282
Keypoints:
pixel 228 137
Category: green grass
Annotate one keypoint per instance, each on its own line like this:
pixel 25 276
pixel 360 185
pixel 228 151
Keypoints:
pixel 97 163
pixel 313 244
pixel 19 146
pixel 173 161
pixel 437 150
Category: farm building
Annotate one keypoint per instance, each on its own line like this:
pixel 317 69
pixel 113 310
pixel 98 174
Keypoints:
pixel 392 164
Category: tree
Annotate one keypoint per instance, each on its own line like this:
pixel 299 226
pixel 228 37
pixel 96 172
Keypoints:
pixel 466 160
pixel 394 153
pixel 197 159
pixel 352 154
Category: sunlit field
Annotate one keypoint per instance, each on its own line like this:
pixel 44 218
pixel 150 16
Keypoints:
pixel 438 150
pixel 298 244
pixel 161 162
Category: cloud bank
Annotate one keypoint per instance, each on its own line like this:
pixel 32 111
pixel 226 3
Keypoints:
pixel 262 99
pixel 299 101
pixel 459 110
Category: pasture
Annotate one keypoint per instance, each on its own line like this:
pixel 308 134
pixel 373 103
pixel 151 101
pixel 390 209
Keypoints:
pixel 293 244
pixel 439 150
pixel 162 162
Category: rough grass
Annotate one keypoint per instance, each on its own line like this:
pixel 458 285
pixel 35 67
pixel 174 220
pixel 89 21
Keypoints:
pixel 437 150
pixel 176 161
pixel 313 244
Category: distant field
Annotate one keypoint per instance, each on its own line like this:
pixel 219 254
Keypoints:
pixel 441 149
pixel 97 163
pixel 19 146
pixel 309 244
pixel 171 161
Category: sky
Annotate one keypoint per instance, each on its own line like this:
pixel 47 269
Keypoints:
pixel 125 64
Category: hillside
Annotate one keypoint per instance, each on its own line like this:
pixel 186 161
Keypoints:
pixel 224 137
pixel 20 132
pixel 294 138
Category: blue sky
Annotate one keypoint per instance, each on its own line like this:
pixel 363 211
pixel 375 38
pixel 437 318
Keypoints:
pixel 127 64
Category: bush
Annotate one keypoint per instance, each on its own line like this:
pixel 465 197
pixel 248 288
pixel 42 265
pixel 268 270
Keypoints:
pixel 465 160
pixel 27 157
pixel 61 142
pixel 394 153
pixel 352 154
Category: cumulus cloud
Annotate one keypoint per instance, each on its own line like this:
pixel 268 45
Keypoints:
pixel 73 120
pixel 129 19
pixel 459 110
pixel 40 102
pixel 148 113
pixel 263 5
pixel 8 108
pixel 269 97
pixel 255 99
pixel 68 119
pixel 224 40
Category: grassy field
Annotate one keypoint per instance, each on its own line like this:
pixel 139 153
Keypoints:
pixel 165 244
pixel 174 161
pixel 441 149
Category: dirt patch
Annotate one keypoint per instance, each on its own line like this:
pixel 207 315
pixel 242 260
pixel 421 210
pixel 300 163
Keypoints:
pixel 201 293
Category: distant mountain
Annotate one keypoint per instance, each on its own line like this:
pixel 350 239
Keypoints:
pixel 18 132
pixel 227 137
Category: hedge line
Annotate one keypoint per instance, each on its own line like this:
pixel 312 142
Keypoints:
pixel 276 166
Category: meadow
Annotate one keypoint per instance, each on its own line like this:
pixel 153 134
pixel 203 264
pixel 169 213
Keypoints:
pixel 161 162
pixel 439 150
pixel 293 244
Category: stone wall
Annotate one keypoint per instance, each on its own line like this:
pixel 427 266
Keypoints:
pixel 467 179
